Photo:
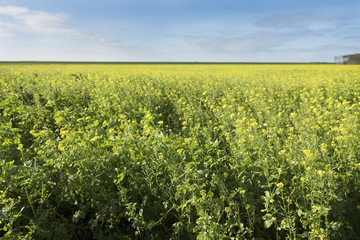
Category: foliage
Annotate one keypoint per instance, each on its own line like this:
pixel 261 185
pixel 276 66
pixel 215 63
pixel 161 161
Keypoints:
pixel 348 59
pixel 179 152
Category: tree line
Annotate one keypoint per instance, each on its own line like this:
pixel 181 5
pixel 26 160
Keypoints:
pixel 348 59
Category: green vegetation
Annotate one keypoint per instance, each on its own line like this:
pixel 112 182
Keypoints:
pixel 179 152
pixel 348 59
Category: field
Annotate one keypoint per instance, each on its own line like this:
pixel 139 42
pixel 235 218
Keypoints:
pixel 179 151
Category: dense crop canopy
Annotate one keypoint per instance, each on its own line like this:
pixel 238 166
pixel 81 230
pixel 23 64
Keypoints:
pixel 179 151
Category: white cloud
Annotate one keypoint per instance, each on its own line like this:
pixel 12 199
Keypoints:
pixel 13 10
pixel 47 23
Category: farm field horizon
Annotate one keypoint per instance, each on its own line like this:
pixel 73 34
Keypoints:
pixel 179 151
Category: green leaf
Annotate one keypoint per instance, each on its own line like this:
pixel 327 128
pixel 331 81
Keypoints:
pixel 269 220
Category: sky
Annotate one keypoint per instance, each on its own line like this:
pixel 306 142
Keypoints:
pixel 179 30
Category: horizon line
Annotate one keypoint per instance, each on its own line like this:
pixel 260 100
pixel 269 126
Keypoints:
pixel 153 62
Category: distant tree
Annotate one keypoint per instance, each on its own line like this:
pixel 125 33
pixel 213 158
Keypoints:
pixel 338 59
pixel 351 59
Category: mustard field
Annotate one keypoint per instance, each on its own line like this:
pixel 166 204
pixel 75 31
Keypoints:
pixel 179 151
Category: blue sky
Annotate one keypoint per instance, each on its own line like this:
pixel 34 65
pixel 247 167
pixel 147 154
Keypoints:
pixel 179 30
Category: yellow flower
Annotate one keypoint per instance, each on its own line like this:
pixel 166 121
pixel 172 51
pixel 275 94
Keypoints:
pixel 309 154
pixel 323 147
pixel 179 151
pixel 320 172
pixel 293 115
pixel 95 138
pixel 61 147
pixel 282 152
pixel 227 209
